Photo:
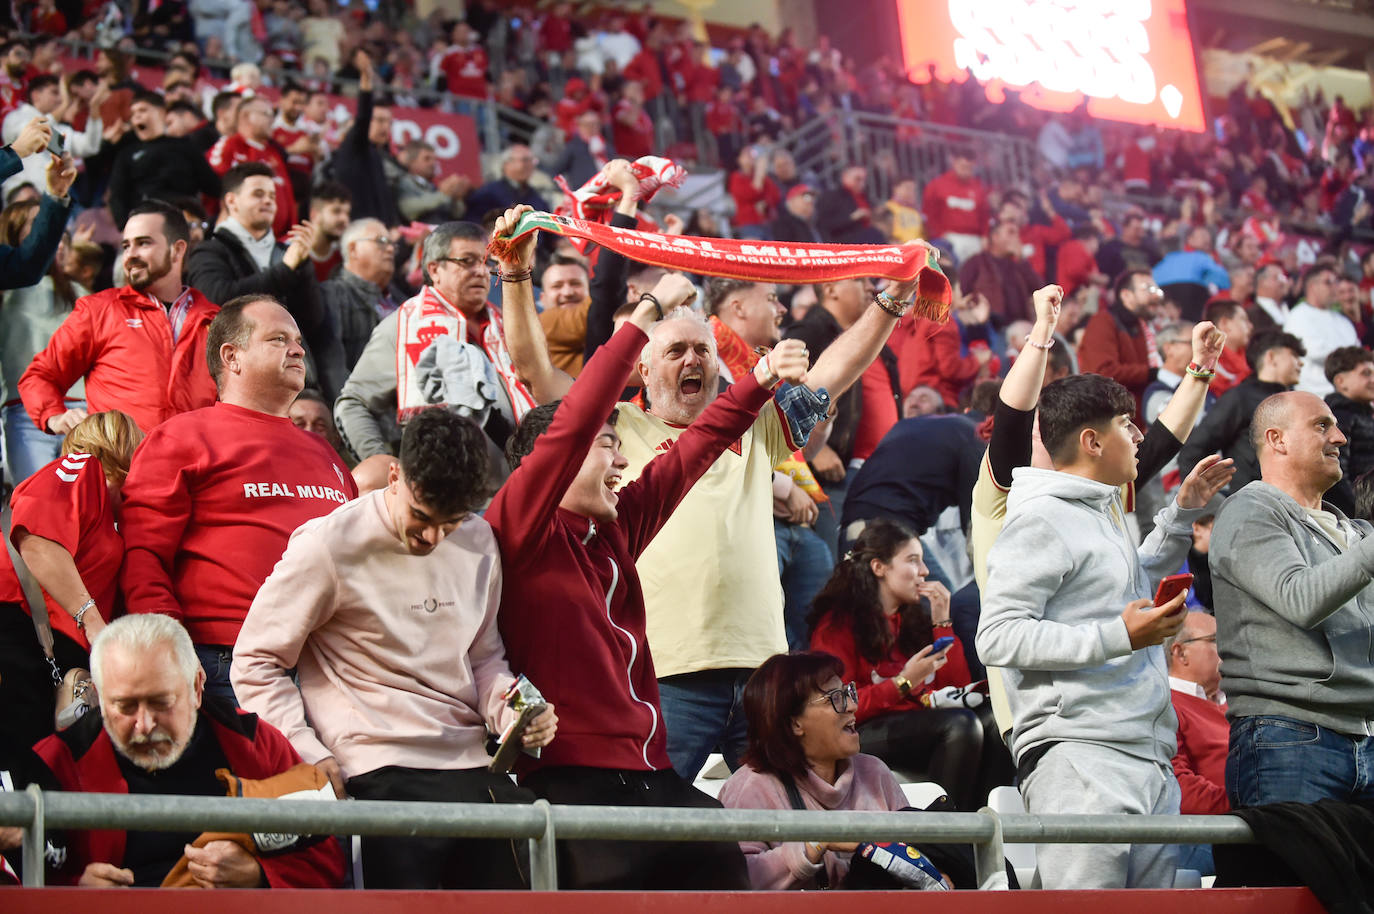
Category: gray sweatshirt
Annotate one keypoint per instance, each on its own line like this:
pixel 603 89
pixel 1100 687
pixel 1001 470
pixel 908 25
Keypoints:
pixel 1295 612
pixel 1059 575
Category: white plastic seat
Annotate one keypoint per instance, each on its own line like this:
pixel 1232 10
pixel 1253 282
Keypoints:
pixel 1007 801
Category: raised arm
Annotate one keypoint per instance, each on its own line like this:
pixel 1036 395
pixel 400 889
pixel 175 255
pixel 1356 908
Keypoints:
pixel 1010 446
pixel 840 365
pixel 1188 400
pixel 529 349
pixel 522 509
pixel 607 289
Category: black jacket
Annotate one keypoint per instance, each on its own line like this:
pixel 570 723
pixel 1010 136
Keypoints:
pixel 222 270
pixel 166 167
pixel 1356 421
pixel 818 329
pixel 833 210
pixel 358 165
pixel 787 227
pixel 1324 844
pixel 1226 428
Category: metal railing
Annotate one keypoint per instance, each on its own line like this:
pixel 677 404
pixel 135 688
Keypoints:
pixel 541 823
pixel 895 148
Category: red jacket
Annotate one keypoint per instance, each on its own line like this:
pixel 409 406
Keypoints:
pixel 952 205
pixel 211 499
pixel 1109 348
pixel 1074 266
pixel 882 697
pixel 82 759
pixel 572 609
pixel 1200 763
pixel 120 340
pixel 747 197
pixel 234 149
pixel 928 353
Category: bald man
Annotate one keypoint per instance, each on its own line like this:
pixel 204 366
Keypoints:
pixel 1295 617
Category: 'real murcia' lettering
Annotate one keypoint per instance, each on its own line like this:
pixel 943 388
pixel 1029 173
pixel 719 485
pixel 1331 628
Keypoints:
pixel 281 490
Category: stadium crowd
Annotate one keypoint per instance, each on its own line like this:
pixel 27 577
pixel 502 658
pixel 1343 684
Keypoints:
pixel 276 416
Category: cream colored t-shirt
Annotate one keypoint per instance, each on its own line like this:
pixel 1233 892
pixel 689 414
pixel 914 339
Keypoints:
pixel 711 590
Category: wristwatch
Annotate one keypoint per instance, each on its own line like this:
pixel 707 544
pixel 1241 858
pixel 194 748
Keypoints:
pixel 903 685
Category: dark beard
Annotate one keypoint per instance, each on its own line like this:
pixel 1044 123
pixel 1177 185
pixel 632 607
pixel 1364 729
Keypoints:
pixel 155 272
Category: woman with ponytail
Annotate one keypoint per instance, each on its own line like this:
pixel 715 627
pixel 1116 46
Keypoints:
pixel 881 617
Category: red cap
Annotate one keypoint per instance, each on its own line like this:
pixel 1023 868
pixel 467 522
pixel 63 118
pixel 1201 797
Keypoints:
pixel 800 189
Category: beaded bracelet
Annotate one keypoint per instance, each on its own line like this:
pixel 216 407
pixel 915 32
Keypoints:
pixel 1202 374
pixel 1045 346
pixel 891 305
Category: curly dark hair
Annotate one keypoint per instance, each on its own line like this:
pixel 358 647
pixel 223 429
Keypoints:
pixel 850 598
pixel 444 460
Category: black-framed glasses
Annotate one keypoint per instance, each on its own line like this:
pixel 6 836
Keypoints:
pixel 840 699
pixel 471 262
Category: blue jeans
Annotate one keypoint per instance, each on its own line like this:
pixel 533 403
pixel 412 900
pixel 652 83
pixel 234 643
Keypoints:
pixel 965 607
pixel 216 659
pixel 1280 759
pixel 804 564
pixel 702 711
pixel 1197 857
pixel 27 447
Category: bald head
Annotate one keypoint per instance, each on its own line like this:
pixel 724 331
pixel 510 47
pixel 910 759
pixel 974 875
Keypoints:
pixel 1272 413
pixel 1298 444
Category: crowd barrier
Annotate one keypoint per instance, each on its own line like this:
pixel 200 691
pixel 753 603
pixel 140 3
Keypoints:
pixel 541 823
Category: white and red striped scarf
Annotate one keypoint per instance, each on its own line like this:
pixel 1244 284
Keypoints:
pixel 428 316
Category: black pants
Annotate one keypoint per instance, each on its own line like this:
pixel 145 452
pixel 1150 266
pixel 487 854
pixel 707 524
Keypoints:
pixel 391 862
pixel 27 692
pixel 958 748
pixel 640 865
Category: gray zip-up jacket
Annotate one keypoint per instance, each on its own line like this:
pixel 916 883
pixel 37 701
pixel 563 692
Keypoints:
pixel 1295 612
pixel 1059 576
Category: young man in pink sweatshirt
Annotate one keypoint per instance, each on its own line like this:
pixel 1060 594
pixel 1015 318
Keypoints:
pixel 387 608
pixel 572 613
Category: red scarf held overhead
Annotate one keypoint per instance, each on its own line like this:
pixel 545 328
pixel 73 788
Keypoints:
pixel 758 261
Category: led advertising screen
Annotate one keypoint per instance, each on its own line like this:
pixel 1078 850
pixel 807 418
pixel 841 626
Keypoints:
pixel 1132 60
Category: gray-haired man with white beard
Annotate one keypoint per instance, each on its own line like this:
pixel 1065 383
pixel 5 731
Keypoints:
pixel 155 735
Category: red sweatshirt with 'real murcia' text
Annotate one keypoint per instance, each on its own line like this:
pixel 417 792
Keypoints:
pixel 211 499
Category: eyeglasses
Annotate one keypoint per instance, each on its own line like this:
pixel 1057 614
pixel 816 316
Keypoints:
pixel 470 262
pixel 386 241
pixel 841 698
pixel 1211 638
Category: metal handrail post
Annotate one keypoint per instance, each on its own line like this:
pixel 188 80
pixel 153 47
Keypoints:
pixel 35 840
pixel 543 856
pixel 988 859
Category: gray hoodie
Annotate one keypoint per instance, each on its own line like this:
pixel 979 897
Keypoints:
pixel 1059 575
pixel 1295 612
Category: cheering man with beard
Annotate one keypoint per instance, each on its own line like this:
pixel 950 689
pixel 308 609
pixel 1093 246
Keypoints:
pixel 141 347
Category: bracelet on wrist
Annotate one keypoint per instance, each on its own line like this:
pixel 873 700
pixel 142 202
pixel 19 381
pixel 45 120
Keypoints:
pixel 518 276
pixel 81 613
pixel 1202 374
pixel 903 685
pixel 1045 346
pixel 771 377
pixel 658 306
pixel 897 309
pixel 945 624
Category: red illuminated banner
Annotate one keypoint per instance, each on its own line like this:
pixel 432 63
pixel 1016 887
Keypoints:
pixel 1131 59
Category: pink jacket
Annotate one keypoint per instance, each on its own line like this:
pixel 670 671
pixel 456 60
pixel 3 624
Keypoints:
pixel 864 784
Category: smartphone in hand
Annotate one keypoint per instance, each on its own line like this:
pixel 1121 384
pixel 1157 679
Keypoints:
pixel 941 643
pixel 1171 587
